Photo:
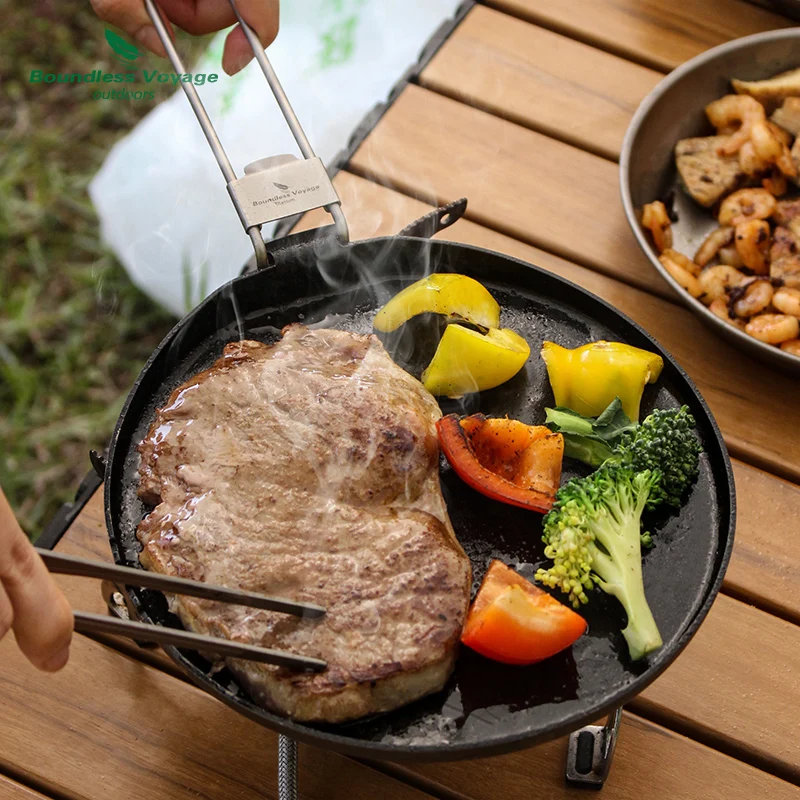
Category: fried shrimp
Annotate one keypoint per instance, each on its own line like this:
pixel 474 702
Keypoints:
pixel 751 298
pixel 656 220
pixel 746 205
pixel 775 183
pixel 773 328
pixel 751 163
pixel 716 281
pixel 747 270
pixel 682 275
pixel 720 309
pixel 713 243
pixel 787 301
pixel 681 260
pixel 731 110
pixel 769 145
pixel 729 256
pixel 752 244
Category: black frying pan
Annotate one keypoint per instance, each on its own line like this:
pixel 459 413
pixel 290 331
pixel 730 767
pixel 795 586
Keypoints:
pixel 486 708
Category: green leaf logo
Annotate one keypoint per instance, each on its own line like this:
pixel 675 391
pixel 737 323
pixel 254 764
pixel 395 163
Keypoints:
pixel 126 52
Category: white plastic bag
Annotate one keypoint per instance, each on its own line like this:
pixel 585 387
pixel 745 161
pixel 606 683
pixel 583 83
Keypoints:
pixel 161 198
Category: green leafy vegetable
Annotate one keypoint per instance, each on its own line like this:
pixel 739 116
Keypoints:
pixel 589 439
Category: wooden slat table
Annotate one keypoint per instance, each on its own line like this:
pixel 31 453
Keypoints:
pixel 522 110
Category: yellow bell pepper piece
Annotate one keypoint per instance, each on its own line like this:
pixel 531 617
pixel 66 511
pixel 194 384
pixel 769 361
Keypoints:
pixel 441 293
pixel 468 361
pixel 588 378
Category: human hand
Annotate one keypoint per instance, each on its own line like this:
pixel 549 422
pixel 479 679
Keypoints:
pixel 196 17
pixel 31 604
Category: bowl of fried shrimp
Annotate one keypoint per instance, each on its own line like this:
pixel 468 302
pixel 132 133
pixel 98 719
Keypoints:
pixel 710 181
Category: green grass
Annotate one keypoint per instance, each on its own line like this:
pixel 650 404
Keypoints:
pixel 74 330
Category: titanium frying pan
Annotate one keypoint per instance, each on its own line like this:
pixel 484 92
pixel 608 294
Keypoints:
pixel 486 707
pixel 320 279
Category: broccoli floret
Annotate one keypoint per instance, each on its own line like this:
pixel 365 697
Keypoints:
pixel 666 442
pixel 593 532
pixel 593 535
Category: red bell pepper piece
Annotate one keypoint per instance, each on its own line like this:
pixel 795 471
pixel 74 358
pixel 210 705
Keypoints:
pixel 504 459
pixel 515 622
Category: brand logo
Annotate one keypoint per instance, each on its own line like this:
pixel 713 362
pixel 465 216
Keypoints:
pixel 125 52
pixel 288 195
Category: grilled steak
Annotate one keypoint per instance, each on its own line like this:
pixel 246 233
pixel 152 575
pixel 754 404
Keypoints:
pixel 309 469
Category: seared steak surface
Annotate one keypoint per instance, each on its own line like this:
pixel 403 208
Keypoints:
pixel 309 469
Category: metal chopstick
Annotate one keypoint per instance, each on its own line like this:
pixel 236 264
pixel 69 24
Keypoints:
pixel 72 565
pixel 141 631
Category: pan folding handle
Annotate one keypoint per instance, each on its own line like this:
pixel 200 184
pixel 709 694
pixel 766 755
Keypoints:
pixel 271 188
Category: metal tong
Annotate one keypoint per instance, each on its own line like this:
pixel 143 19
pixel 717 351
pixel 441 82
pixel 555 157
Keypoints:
pixel 275 187
pixel 97 623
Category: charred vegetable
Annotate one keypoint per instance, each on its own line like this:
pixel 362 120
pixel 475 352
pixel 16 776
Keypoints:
pixel 504 459
pixel 515 622
pixel 442 293
pixel 473 353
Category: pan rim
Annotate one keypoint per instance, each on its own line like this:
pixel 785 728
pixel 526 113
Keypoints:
pixel 501 743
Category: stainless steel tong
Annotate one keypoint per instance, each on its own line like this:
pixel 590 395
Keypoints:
pixel 275 187
pixel 96 623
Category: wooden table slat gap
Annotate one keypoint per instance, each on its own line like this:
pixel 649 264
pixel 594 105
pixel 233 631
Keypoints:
pixel 28 786
pixel 765 4
pixel 540 80
pixel 746 595
pixel 656 35
pixel 716 740
pixel 579 36
pixel 558 134
pixel 762 460
pixel 420 776
pixel 406 774
pixel 425 196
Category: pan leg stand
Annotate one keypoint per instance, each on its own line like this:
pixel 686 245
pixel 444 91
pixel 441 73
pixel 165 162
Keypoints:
pixel 590 752
pixel 287 768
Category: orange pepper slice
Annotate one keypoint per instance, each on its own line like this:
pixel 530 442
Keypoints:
pixel 504 459
pixel 515 622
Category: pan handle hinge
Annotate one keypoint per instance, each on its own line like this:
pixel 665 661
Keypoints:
pixel 590 752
